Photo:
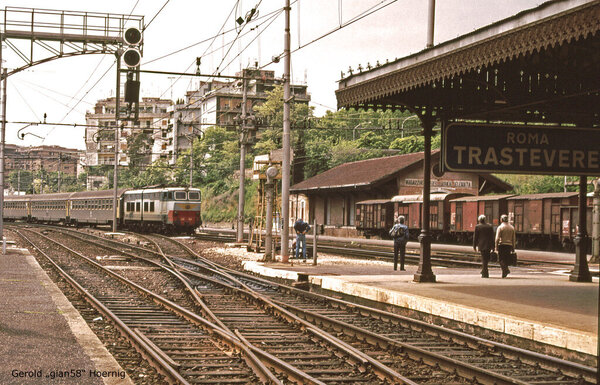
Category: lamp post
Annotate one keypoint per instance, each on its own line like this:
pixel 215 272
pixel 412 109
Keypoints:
pixel 404 121
pixel 2 138
pixel 115 172
pixel 357 127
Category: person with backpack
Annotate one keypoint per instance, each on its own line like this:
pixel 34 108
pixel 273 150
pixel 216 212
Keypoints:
pixel 301 228
pixel 400 234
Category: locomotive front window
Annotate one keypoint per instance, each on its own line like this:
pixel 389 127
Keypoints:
pixel 194 195
pixel 180 195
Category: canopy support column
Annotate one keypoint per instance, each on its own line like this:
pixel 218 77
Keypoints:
pixel 424 272
pixel 581 271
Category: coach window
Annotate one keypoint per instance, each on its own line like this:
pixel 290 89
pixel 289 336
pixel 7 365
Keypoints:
pixel 145 207
pixel 180 195
pixel 137 206
pixel 194 195
pixel 151 206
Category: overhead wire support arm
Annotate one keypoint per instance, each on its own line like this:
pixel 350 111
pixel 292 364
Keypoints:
pixel 191 74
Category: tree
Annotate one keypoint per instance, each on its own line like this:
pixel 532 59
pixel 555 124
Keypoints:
pixel 20 180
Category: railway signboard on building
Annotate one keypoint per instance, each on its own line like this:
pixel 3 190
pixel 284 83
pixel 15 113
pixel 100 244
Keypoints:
pixel 521 149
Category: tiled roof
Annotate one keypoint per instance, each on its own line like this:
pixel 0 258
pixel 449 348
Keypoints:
pixel 360 173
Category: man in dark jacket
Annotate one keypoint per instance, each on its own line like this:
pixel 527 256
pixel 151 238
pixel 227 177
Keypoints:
pixel 484 241
pixel 301 228
pixel 400 234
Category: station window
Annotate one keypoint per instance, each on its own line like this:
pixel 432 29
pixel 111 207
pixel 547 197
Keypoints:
pixel 145 206
pixel 137 206
pixel 151 206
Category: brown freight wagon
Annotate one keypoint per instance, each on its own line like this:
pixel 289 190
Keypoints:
pixel 537 218
pixel 569 219
pixel 374 217
pixel 411 206
pixel 465 211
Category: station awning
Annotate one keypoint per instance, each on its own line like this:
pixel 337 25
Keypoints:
pixel 541 65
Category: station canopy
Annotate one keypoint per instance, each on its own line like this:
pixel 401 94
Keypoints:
pixel 539 66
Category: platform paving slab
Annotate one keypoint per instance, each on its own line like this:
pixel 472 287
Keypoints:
pixel 44 338
pixel 539 306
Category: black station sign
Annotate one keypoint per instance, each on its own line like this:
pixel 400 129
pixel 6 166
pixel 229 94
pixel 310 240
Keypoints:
pixel 521 149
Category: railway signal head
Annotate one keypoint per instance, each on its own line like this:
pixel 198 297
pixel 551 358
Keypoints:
pixel 133 36
pixel 132 55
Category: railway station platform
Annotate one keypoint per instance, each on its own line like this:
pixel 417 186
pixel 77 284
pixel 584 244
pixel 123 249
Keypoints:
pixel 44 339
pixel 534 303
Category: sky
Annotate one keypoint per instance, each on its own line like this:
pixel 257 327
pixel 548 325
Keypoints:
pixel 64 89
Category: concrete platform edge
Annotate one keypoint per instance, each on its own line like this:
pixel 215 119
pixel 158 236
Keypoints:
pixel 561 337
pixel 88 340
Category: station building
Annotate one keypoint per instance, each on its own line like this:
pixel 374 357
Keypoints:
pixel 331 197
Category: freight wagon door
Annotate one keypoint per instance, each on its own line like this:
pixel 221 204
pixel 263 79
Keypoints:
pixel 568 220
pixel 469 216
pixel 402 209
pixel 414 210
pixel 456 216
pixel 359 219
pixel 533 217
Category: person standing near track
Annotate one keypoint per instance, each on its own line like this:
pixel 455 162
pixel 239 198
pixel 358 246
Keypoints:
pixel 506 240
pixel 483 239
pixel 400 234
pixel 301 228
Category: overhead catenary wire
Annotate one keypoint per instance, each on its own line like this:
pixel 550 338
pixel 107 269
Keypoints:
pixel 157 13
pixel 356 18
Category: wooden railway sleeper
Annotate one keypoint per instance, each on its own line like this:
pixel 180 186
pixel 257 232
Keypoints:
pixel 225 335
pixel 262 372
pixel 358 357
pixel 450 364
pixel 145 350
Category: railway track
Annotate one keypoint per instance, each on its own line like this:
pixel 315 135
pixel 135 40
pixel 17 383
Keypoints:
pixel 349 248
pixel 300 346
pixel 380 343
pixel 469 356
pixel 179 344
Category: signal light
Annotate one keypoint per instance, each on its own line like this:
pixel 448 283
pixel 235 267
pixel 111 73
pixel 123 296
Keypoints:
pixel 133 36
pixel 132 57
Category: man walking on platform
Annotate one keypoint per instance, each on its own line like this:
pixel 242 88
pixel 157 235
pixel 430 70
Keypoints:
pixel 400 234
pixel 506 240
pixel 301 228
pixel 484 241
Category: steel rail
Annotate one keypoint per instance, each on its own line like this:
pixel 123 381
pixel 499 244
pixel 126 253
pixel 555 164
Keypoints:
pixel 285 368
pixel 224 335
pixel 526 356
pixel 532 358
pixel 358 356
pixel 139 344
